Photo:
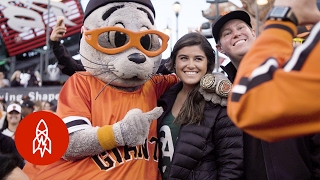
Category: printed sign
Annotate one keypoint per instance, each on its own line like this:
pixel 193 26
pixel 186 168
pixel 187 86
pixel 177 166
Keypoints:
pixel 35 93
pixel 23 23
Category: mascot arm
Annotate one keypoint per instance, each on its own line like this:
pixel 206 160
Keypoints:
pixel 215 87
pixel 82 144
pixel 89 142
pixel 132 130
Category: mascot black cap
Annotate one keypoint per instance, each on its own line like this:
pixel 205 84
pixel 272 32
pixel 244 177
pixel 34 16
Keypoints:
pixel 95 4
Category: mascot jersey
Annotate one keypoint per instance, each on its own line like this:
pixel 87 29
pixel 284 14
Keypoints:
pixel 81 106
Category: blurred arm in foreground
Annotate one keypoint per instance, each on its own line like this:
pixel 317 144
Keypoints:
pixel 276 91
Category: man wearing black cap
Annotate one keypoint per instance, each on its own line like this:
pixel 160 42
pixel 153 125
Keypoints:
pixel 289 159
pixel 27 108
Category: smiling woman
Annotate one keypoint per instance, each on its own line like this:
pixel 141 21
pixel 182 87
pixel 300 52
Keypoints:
pixel 189 115
pixel 191 65
pixel 12 120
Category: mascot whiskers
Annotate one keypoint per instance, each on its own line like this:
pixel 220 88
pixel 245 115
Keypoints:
pixel 110 108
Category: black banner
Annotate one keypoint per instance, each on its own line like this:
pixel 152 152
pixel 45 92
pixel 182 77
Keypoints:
pixel 49 93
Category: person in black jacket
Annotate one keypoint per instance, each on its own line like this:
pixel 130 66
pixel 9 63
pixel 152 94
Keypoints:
pixel 66 63
pixel 10 168
pixel 296 158
pixel 8 146
pixel 197 138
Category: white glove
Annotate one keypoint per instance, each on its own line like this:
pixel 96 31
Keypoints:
pixel 215 87
pixel 133 129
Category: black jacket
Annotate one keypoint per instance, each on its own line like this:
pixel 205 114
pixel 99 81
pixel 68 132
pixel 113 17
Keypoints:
pixel 66 63
pixel 291 159
pixel 7 146
pixel 211 150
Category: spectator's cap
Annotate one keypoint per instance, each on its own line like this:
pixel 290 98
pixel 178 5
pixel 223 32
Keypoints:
pixel 225 17
pixel 28 104
pixel 303 31
pixel 14 107
pixel 95 4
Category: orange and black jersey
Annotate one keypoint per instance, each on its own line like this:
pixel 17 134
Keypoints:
pixel 276 93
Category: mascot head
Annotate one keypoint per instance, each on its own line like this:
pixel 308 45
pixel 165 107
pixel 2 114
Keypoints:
pixel 120 44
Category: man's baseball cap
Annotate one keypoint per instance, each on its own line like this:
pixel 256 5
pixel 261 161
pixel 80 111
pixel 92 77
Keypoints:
pixel 28 104
pixel 223 19
pixel 14 107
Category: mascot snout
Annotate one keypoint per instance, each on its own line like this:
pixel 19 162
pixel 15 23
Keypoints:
pixel 137 58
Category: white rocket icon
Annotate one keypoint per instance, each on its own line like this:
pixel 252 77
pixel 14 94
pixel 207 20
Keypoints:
pixel 42 141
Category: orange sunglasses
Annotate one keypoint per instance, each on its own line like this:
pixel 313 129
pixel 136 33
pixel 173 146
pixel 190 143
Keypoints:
pixel 91 36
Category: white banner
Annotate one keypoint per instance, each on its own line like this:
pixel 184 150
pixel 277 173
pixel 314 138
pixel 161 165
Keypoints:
pixel 49 93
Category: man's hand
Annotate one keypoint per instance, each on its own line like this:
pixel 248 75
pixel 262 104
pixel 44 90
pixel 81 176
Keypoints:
pixel 306 11
pixel 58 31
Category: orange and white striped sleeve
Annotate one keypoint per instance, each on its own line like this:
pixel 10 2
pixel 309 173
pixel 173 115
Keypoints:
pixel 276 93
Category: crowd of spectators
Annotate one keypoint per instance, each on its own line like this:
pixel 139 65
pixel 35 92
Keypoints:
pixel 21 108
pixel 11 113
pixel 30 78
pixel 20 79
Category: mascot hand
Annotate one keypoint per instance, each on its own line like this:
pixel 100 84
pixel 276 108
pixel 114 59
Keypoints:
pixel 215 87
pixel 133 129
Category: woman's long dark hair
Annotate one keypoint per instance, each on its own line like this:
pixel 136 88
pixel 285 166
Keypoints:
pixel 192 110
